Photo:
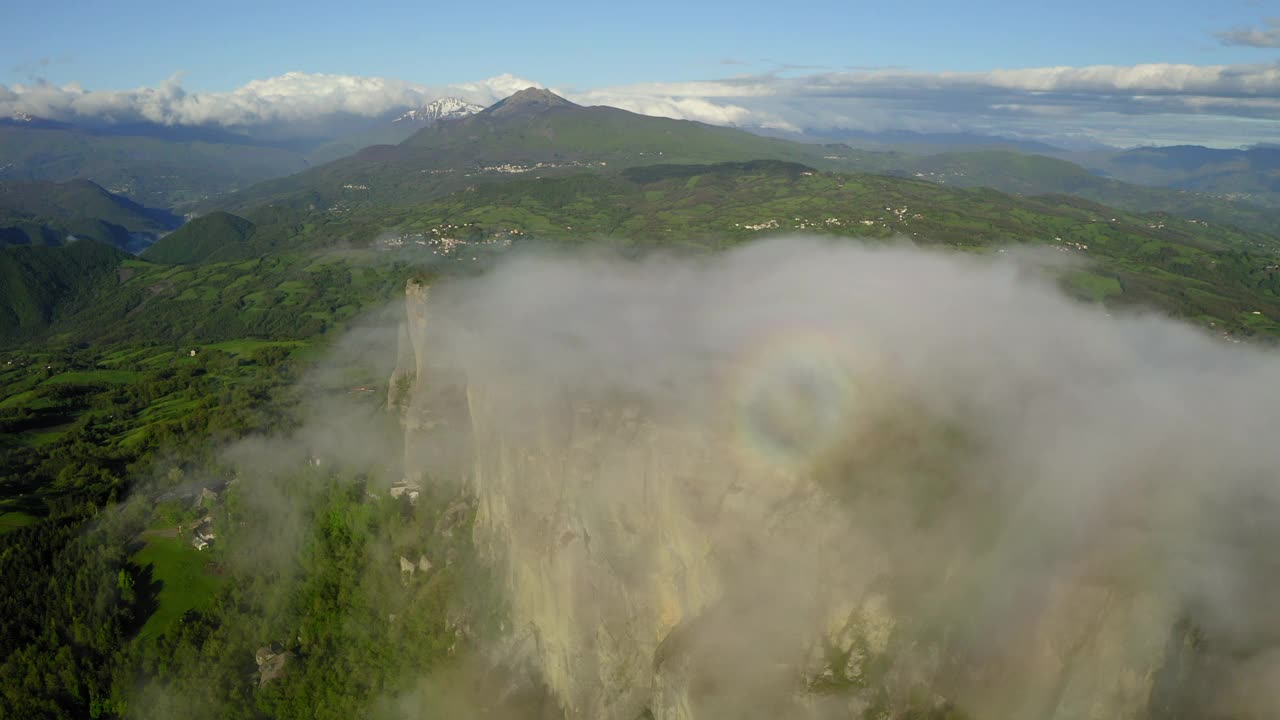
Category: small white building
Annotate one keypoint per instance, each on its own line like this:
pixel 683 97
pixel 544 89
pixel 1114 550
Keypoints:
pixel 407 488
pixel 203 535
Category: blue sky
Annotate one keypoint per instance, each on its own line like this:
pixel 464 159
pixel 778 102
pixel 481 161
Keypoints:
pixel 222 45
pixel 1120 72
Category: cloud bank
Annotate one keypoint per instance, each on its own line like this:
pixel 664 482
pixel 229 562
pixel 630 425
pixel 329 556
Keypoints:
pixel 1154 103
pixel 1125 105
pixel 292 97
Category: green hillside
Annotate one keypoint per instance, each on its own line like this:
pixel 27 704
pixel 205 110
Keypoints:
pixel 1021 173
pixel 1251 175
pixel 536 133
pixel 537 126
pixel 217 234
pixel 48 213
pixel 19 229
pixel 1213 274
pixel 39 285
pixel 81 198
pixel 389 134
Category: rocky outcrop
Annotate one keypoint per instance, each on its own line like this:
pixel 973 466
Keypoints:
pixel 429 396
pixel 273 663
pixel 657 564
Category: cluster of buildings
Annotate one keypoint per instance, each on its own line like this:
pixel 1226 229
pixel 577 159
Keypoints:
pixel 902 214
pixel 443 240
pixel 513 169
pixel 202 535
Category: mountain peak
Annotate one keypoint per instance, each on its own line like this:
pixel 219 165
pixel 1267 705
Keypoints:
pixel 445 108
pixel 529 100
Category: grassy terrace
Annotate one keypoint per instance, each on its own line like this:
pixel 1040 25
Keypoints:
pixel 14 520
pixel 185 579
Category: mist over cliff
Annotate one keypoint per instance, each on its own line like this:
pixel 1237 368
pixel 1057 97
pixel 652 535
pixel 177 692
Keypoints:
pixel 795 479
pixel 819 479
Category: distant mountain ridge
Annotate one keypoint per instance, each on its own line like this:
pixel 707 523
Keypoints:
pixel 155 171
pixel 532 131
pixel 48 213
pixel 84 198
pixel 1251 175
pixel 536 132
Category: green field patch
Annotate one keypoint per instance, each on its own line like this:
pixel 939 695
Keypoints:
pixel 44 436
pixel 133 438
pixel 242 280
pixel 184 577
pixel 169 408
pixel 17 400
pixel 113 377
pixel 295 291
pixel 14 520
pixel 319 265
pixel 160 358
pixel 1255 319
pixel 131 356
pixel 175 273
pixel 120 355
pixel 264 299
pixel 1093 287
pixel 308 352
pixel 245 346
pixel 345 311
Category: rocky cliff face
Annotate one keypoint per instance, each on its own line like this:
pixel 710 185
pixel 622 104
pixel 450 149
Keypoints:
pixel 429 397
pixel 657 564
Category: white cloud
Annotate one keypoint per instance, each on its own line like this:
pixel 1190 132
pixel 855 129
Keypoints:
pixel 679 108
pixel 1152 78
pixel 1123 104
pixel 1264 37
pixel 292 97
pixel 1082 102
pixel 490 91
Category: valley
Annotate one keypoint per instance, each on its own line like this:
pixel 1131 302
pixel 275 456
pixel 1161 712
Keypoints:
pixel 544 410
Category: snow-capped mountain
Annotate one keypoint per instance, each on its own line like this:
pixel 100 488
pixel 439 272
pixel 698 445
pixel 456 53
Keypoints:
pixel 446 108
pixel 22 117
